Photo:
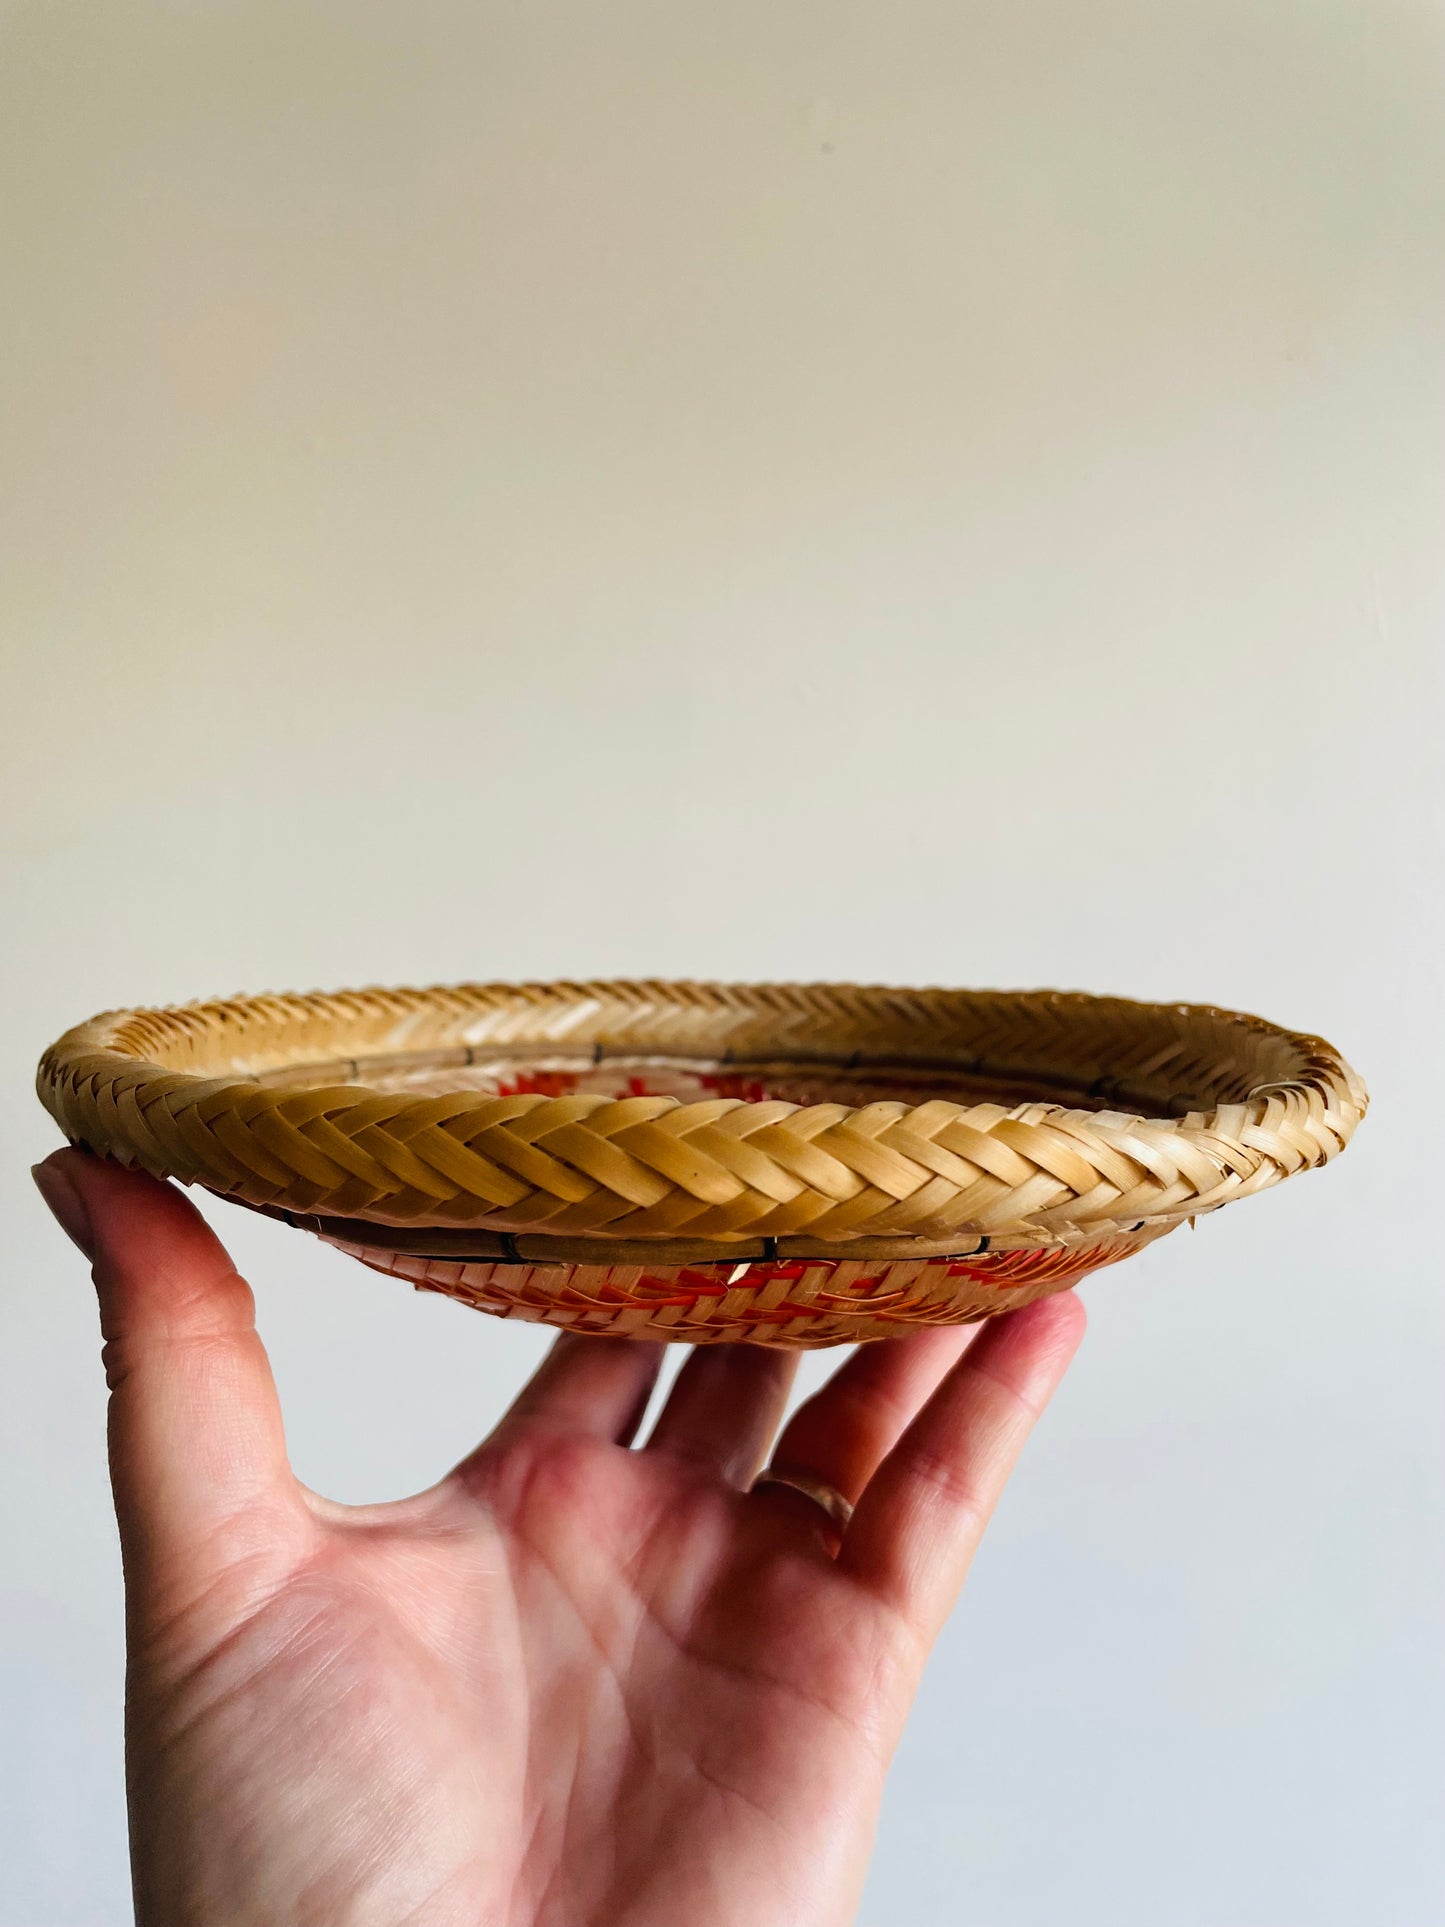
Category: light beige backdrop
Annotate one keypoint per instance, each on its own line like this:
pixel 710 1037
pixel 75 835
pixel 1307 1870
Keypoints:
pixel 928 492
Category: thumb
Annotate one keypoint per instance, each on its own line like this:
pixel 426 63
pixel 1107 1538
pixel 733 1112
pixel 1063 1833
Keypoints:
pixel 197 1452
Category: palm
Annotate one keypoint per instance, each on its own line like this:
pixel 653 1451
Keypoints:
pixel 573 1682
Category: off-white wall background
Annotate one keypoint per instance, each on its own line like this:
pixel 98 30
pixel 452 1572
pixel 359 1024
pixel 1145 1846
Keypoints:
pixel 933 492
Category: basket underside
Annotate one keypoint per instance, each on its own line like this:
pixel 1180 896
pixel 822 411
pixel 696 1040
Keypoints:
pixel 797 1303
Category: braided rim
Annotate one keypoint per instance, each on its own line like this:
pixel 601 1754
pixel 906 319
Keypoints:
pixel 1115 1116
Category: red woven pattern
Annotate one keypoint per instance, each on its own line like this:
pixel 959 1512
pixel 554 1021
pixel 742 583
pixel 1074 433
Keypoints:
pixel 799 1302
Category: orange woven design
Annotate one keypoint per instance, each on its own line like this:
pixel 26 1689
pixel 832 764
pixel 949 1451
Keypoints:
pixel 803 1303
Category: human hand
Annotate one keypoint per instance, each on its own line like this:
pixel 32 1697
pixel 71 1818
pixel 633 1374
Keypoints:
pixel 571 1684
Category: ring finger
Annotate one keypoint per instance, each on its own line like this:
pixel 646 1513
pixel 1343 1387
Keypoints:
pixel 840 1436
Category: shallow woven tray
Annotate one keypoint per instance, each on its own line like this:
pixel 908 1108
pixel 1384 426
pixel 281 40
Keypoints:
pixel 785 1164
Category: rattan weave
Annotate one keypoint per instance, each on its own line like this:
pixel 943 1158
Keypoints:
pixel 569 1131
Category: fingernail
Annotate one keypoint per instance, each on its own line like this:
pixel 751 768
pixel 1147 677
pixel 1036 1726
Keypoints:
pixel 60 1192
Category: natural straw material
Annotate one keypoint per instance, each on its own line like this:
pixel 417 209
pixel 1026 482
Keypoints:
pixel 792 1302
pixel 586 1129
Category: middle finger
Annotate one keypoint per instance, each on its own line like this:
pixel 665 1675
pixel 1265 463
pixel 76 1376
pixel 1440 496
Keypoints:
pixel 725 1407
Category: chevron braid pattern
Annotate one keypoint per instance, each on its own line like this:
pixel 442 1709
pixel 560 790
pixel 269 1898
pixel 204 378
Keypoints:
pixel 1071 1116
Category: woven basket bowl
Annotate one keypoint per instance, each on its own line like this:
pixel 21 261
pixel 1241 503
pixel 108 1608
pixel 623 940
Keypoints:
pixel 782 1164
